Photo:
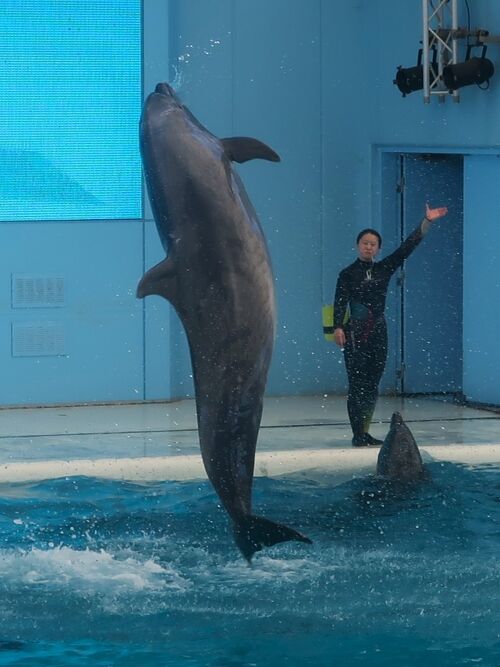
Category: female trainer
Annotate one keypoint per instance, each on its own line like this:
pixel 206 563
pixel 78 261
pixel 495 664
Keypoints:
pixel 359 322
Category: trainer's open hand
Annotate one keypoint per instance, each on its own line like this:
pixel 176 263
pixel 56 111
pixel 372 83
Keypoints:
pixel 435 213
pixel 339 337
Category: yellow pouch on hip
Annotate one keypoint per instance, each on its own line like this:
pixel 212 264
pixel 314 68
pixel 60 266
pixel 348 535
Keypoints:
pixel 327 316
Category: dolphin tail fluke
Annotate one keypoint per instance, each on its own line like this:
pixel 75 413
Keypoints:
pixel 251 533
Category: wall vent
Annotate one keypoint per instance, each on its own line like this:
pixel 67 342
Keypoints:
pixel 43 339
pixel 30 291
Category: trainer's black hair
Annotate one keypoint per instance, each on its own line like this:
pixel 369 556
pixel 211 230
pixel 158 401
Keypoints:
pixel 369 230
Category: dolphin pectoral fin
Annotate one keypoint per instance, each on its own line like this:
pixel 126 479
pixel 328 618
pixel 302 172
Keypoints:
pixel 242 149
pixel 251 533
pixel 159 280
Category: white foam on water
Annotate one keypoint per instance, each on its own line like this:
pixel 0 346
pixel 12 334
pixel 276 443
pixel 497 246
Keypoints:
pixel 279 572
pixel 87 571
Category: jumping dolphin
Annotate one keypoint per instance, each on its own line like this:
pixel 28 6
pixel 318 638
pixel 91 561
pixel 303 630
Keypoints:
pixel 399 457
pixel 218 276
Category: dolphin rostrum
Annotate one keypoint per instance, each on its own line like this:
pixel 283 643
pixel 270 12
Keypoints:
pixel 218 276
pixel 399 457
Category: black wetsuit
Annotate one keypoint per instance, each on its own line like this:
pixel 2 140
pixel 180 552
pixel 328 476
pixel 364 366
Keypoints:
pixel 360 294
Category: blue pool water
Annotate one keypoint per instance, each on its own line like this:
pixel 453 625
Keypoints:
pixel 113 573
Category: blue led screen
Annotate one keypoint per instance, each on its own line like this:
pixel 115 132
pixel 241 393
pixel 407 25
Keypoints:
pixel 70 78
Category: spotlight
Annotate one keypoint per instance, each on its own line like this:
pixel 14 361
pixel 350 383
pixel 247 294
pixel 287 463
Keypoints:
pixel 473 70
pixel 410 79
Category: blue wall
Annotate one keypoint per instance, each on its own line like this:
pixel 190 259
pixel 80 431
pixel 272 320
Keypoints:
pixel 255 69
pixel 377 116
pixel 313 78
pixel 481 278
pixel 88 345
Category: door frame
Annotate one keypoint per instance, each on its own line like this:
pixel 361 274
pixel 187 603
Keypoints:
pixel 386 216
pixel 432 368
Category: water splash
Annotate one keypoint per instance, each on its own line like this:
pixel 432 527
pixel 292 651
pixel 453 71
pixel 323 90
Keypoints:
pixel 86 571
pixel 179 78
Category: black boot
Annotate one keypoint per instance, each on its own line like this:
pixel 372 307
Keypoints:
pixel 360 440
pixel 373 442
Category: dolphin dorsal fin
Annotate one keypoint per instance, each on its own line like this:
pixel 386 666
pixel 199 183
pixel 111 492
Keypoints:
pixel 160 280
pixel 242 149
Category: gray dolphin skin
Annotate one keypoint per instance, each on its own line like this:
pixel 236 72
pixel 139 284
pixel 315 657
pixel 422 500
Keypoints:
pixel 399 457
pixel 218 276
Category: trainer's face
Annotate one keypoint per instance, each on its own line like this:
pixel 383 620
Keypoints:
pixel 368 247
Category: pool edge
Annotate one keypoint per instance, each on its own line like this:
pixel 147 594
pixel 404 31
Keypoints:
pixel 341 462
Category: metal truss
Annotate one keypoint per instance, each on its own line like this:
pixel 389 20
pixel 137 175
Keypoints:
pixel 439 46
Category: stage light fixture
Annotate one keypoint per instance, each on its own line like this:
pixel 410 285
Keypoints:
pixel 472 70
pixel 409 79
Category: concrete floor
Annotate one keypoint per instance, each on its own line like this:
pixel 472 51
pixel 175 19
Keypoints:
pixel 159 440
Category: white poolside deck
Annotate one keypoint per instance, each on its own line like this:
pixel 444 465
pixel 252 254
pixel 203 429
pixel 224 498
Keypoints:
pixel 159 441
